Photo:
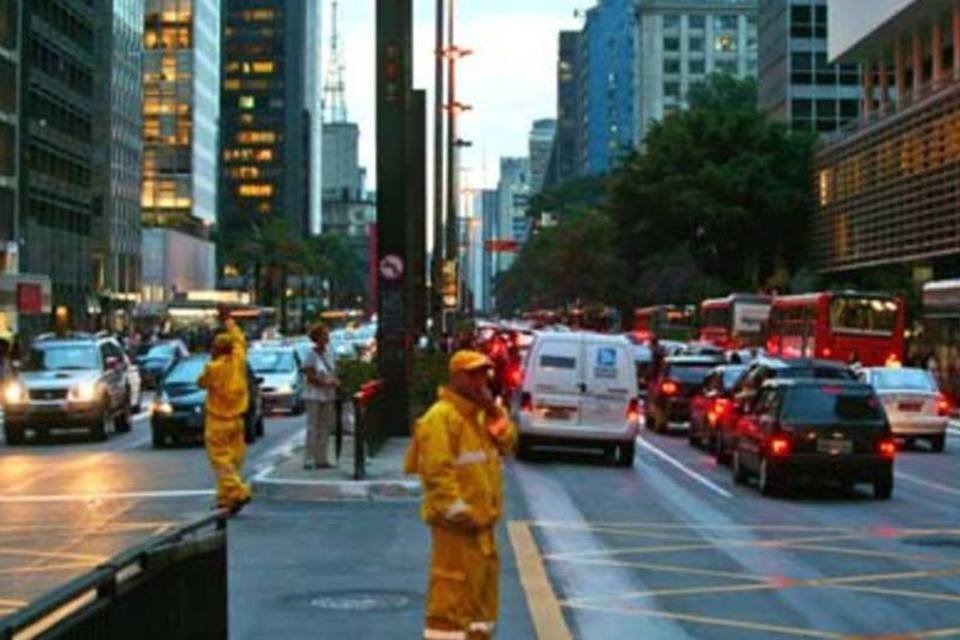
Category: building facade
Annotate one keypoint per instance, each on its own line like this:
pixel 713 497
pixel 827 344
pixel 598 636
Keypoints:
pixel 118 128
pixel 271 114
pixel 886 190
pixel 680 42
pixel 513 199
pixel 58 217
pixel 607 85
pixel 489 208
pixel 797 83
pixel 540 143
pixel 566 148
pixel 9 126
pixel 181 110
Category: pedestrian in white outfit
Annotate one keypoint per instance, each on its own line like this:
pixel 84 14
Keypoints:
pixel 319 395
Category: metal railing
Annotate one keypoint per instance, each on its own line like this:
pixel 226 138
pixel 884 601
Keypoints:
pixel 173 585
pixel 369 432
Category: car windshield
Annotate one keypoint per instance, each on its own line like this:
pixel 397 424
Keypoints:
pixel 186 372
pixel 826 373
pixel 62 358
pixel 164 351
pixel 819 404
pixel 906 379
pixel 689 373
pixel 272 361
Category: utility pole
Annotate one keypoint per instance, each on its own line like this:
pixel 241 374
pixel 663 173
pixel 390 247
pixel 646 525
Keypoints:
pixel 436 300
pixel 394 50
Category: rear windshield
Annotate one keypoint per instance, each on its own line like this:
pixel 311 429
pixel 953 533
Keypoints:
pixel 831 404
pixel 822 373
pixel 557 362
pixel 691 374
pixel 906 379
pixel 732 375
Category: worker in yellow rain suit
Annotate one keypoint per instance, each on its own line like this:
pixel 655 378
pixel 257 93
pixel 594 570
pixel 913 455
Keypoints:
pixel 456 450
pixel 225 379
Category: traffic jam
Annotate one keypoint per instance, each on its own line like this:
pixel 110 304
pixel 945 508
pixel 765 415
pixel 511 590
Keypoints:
pixel 787 392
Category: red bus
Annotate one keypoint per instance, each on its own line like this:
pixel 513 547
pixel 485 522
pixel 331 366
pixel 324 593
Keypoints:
pixel 734 322
pixel 848 327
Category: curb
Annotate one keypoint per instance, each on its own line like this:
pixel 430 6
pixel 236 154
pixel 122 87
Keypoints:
pixel 336 490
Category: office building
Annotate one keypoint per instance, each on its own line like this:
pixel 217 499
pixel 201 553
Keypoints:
pixel 348 209
pixel 181 111
pixel 271 115
pixel 797 83
pixel 513 199
pixel 541 152
pixel 58 103
pixel 118 129
pixel 489 209
pixel 607 82
pixel 566 147
pixel 680 42
pixel 886 190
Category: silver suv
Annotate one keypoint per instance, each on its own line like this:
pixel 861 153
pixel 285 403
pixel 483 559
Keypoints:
pixel 72 382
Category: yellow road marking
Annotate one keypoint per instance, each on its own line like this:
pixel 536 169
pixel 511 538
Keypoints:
pixel 542 601
pixel 712 621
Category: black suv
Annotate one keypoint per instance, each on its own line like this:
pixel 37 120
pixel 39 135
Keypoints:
pixel 813 430
pixel 669 396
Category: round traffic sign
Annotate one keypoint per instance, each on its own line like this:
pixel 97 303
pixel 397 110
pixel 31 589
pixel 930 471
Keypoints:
pixel 391 267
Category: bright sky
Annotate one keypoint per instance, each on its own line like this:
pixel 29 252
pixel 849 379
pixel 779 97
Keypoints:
pixel 510 80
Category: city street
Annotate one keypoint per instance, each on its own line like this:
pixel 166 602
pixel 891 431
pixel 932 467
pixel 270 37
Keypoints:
pixel 670 546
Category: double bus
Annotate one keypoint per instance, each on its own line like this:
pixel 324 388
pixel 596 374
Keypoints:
pixel 664 322
pixel 847 327
pixel 735 322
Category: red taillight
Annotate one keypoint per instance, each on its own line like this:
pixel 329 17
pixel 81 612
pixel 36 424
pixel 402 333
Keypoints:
pixel 826 352
pixel 669 388
pixel 515 377
pixel 526 402
pixel 779 446
pixel 893 361
pixel 887 448
pixel 944 408
pixel 722 406
pixel 633 410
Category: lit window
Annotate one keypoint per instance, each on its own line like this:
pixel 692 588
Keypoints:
pixel 725 44
pixel 263 66
pixel 256 137
pixel 826 187
pixel 255 190
pixel 247 102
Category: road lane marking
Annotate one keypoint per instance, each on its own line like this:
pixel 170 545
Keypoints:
pixel 711 621
pixel 700 527
pixel 662 455
pixel 542 602
pixel 664 568
pixel 93 497
pixel 906 593
pixel 927 483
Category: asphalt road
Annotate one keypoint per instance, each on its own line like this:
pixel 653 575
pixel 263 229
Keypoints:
pixel 670 548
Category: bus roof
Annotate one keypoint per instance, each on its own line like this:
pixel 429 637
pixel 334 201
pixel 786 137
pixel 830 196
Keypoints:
pixel 736 297
pixel 812 298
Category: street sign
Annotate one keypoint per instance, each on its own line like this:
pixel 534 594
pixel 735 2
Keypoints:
pixel 391 267
pixel 451 285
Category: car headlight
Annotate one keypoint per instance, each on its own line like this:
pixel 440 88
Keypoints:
pixel 162 405
pixel 14 393
pixel 83 392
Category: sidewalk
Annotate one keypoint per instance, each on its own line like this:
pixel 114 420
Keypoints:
pixel 344 569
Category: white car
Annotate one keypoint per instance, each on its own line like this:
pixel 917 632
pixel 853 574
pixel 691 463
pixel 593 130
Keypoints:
pixel 915 407
pixel 580 389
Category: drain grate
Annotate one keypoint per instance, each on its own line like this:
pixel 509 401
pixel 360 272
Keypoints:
pixel 360 601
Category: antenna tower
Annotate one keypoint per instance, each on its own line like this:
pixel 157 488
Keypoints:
pixel 335 86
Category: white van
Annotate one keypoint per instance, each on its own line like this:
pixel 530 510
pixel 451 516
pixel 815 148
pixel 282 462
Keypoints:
pixel 580 389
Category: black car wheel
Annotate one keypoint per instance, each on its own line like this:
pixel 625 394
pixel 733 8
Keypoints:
pixel 12 435
pixel 739 473
pixel 767 481
pixel 625 453
pixel 883 487
pixel 938 443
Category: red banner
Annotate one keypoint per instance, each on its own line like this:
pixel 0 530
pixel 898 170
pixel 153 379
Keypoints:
pixel 502 246
pixel 29 298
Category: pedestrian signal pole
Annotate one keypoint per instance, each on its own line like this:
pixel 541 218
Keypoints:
pixel 394 198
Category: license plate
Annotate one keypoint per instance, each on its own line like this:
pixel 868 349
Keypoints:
pixel 557 413
pixel 910 407
pixel 835 447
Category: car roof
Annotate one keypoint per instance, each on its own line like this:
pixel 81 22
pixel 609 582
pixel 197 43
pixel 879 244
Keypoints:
pixel 815 382
pixel 577 336
pixel 799 363
pixel 704 360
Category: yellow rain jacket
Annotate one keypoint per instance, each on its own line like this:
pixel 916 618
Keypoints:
pixel 225 378
pixel 456 451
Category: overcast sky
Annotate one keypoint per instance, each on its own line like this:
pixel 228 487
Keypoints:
pixel 510 80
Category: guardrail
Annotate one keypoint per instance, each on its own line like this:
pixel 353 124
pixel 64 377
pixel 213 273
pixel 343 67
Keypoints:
pixel 173 585
pixel 369 426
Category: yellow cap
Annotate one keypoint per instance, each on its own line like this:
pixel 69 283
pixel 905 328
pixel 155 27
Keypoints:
pixel 469 361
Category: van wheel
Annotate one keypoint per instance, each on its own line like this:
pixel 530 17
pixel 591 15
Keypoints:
pixel 626 453
pixel 739 473
pixel 938 443
pixel 523 448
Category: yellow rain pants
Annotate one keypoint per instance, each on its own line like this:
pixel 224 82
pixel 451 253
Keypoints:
pixel 226 450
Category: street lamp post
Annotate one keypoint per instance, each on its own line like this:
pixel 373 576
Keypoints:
pixel 436 300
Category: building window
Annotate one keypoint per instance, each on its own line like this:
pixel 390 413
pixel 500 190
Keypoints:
pixel 825 180
pixel 725 22
pixel 247 102
pixel 256 137
pixel 262 190
pixel 8 86
pixel 695 45
pixel 8 24
pixel 726 66
pixel 8 148
pixel 697 22
pixel 725 44
pixel 671 90
pixel 801 68
pixel 671 44
pixel 671 66
pixel 801 21
pixel 697 67
pixel 671 21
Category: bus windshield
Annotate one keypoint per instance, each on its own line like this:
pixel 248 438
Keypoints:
pixel 864 315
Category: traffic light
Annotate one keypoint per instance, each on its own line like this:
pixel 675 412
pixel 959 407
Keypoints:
pixel 451 285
